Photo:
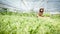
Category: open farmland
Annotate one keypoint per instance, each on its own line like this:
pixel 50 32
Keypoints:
pixel 28 23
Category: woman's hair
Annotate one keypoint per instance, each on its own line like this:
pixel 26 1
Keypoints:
pixel 41 10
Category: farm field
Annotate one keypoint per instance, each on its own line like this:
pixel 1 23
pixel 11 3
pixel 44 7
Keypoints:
pixel 28 23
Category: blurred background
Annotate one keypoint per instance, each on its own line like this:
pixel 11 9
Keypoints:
pixel 51 6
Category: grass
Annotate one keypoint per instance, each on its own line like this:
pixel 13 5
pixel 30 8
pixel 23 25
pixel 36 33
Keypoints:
pixel 28 23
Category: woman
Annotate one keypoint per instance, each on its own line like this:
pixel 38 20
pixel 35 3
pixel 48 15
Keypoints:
pixel 41 12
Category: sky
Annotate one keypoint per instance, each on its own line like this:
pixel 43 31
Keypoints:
pixel 32 4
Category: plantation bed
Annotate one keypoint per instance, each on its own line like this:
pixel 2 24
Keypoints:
pixel 15 23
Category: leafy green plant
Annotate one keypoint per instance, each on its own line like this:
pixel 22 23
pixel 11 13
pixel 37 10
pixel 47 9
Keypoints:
pixel 28 23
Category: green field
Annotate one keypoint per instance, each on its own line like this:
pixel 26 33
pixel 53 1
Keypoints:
pixel 28 23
